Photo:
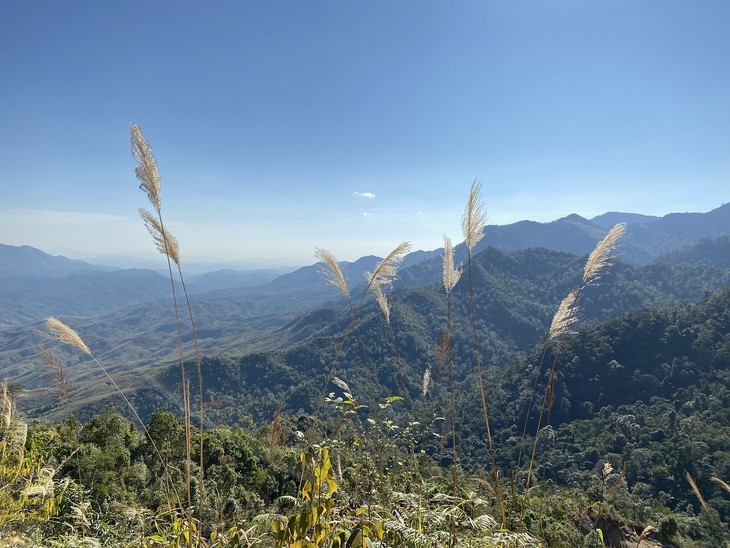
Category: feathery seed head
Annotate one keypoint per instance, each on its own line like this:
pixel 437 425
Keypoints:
pixel 382 301
pixel 42 486
pixel 474 217
pixel 443 349
pixel 342 385
pixel 720 483
pixel 426 382
pixel 55 365
pixel 602 256
pixel 147 172
pixel 65 334
pixel 607 469
pixel 332 271
pixel 695 489
pixel 7 406
pixel 386 271
pixel 564 317
pixel 165 242
pixel 451 274
pixel 645 533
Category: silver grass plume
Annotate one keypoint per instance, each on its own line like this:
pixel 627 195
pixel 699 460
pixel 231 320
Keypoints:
pixel 165 242
pixel 386 271
pixel 147 172
pixel 332 271
pixel 474 217
pixel 564 317
pixel 720 483
pixel 696 489
pixel 42 486
pixel 342 385
pixel 451 274
pixel 382 301
pixel 602 256
pixel 65 334
pixel 426 382
pixel 7 407
pixel 645 533
pixel 607 469
pixel 56 366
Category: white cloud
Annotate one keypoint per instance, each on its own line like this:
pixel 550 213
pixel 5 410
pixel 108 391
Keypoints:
pixel 368 195
pixel 366 214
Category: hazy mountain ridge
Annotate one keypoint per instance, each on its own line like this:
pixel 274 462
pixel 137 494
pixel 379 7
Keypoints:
pixel 612 218
pixel 515 302
pixel 714 251
pixel 80 293
pixel 646 237
pixel 30 293
pixel 126 315
pixel 23 261
pixel 228 278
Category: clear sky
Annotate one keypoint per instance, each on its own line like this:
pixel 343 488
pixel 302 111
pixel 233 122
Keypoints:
pixel 353 125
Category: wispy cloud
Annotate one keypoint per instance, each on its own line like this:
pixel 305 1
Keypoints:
pixel 366 214
pixel 368 195
pixel 62 217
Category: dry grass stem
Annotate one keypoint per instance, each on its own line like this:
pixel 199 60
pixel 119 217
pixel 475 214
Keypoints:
pixel 451 274
pixel 602 256
pixel 696 489
pixel 564 317
pixel 332 271
pixel 65 334
pixel 616 484
pixel 474 217
pixel 721 483
pixel 147 172
pixel 165 242
pixel 385 273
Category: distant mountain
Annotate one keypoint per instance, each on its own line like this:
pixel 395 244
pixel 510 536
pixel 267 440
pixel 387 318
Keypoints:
pixel 81 293
pixel 308 283
pixel 25 261
pixel 612 218
pixel 417 257
pixel 646 237
pixel 516 294
pixel 712 251
pixel 571 234
pixel 651 239
pixel 227 278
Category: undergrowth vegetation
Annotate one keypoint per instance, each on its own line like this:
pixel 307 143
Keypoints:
pixel 552 449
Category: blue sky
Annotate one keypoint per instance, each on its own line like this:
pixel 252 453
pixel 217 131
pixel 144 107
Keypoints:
pixel 352 125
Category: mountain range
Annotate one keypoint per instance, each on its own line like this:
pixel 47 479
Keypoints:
pixel 126 315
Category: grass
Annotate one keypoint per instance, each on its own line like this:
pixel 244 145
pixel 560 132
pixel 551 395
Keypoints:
pixel 381 502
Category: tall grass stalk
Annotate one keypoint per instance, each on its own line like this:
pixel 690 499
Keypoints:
pixel 601 258
pixel 68 336
pixel 383 275
pixel 472 223
pixel 150 181
pixel 385 308
pixel 451 276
